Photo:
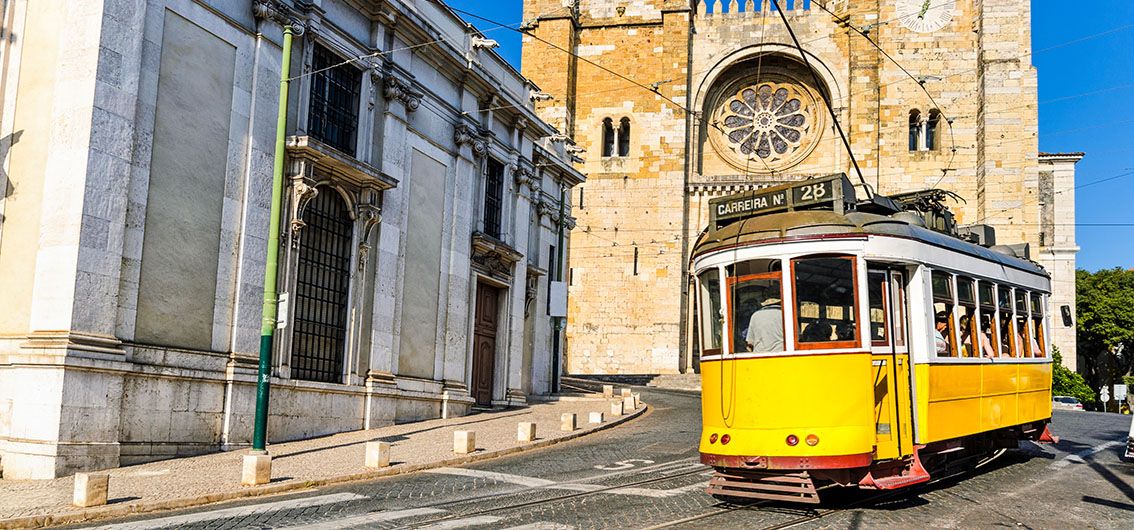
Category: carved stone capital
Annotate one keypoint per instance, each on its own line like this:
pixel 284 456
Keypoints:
pixel 466 133
pixel 395 89
pixel 569 223
pixel 520 123
pixel 280 13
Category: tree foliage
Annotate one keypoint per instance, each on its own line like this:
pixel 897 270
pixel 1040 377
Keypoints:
pixel 1105 320
pixel 1064 382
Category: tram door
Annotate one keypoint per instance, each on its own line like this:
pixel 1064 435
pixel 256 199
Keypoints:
pixel 891 360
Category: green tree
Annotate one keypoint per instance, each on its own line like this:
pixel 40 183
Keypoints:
pixel 1104 303
pixel 1064 382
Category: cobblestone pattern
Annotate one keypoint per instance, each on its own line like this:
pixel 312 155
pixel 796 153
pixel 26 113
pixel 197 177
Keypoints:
pixel 1033 487
pixel 296 462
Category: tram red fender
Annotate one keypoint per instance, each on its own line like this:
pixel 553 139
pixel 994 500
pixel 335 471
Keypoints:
pixel 894 477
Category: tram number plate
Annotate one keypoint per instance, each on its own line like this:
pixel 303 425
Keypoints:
pixel 813 193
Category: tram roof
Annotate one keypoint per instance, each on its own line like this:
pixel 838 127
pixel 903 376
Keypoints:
pixel 815 224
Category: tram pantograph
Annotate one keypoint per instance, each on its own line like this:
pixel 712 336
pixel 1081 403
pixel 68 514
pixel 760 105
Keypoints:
pixel 863 343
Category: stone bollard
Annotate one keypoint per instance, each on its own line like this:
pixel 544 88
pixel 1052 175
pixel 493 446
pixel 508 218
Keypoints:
pixel 616 408
pixel 607 390
pixel 567 422
pixel 464 442
pixel 628 403
pixel 637 400
pixel 377 454
pixel 625 392
pixel 257 470
pixel 525 431
pixel 91 489
pixel 596 417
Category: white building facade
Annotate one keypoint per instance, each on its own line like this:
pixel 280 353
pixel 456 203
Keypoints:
pixel 423 225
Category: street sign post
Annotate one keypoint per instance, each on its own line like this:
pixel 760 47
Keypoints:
pixel 1104 396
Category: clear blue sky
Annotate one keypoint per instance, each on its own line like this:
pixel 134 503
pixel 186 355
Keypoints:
pixel 1085 59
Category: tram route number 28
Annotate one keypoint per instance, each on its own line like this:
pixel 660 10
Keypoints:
pixel 818 192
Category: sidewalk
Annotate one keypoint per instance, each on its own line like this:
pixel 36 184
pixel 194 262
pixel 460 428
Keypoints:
pixel 185 482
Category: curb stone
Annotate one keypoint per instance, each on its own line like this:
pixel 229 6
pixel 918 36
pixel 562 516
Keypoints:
pixel 136 508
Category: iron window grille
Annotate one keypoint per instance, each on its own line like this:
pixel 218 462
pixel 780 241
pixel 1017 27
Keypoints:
pixel 493 197
pixel 322 288
pixel 333 117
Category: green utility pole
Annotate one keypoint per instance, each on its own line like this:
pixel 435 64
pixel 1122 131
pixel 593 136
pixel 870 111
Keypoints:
pixel 557 323
pixel 268 327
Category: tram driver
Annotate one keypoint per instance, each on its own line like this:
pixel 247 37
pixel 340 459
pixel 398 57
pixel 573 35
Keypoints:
pixel 766 327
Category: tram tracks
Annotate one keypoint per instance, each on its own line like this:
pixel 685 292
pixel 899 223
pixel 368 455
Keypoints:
pixel 538 502
pixel 814 515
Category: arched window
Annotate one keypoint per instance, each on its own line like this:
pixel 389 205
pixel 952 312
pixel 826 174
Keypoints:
pixel 915 129
pixel 321 290
pixel 607 137
pixel 931 129
pixel 624 137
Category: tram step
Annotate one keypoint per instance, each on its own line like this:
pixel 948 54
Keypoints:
pixel 788 487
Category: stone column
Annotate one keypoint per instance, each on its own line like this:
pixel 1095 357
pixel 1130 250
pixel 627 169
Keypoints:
pixel 77 146
pixel 521 177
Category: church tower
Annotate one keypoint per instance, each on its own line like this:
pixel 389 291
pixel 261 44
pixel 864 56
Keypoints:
pixel 678 102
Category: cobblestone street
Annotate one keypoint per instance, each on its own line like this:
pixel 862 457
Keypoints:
pixel 645 474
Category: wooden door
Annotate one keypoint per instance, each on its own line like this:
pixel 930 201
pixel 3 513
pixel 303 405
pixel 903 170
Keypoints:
pixel 484 342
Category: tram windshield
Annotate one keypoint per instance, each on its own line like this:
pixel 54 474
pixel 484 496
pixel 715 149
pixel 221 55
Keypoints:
pixel 755 301
pixel 824 302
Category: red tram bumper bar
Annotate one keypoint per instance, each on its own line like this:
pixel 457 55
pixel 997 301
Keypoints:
pixel 787 462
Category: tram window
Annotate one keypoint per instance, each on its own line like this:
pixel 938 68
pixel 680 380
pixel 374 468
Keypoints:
pixel 898 322
pixel 758 314
pixel 711 315
pixel 825 303
pixel 969 324
pixel 876 294
pixel 1004 306
pixel 1023 341
pixel 987 319
pixel 944 318
pixel 1038 345
pixel 756 304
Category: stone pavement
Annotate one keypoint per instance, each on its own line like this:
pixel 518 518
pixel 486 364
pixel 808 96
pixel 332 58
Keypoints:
pixel 302 464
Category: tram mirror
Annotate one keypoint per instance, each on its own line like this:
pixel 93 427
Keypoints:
pixel 1065 310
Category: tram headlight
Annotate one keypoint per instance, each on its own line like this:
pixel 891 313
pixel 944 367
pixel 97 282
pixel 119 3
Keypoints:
pixel 792 440
pixel 725 439
pixel 713 438
pixel 812 440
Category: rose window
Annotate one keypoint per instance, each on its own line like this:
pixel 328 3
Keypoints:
pixel 770 121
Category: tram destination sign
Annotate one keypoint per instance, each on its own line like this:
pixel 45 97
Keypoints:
pixel 832 192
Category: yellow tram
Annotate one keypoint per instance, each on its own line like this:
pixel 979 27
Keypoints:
pixel 860 343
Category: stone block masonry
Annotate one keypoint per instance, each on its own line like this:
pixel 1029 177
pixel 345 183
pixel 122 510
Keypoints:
pixel 640 211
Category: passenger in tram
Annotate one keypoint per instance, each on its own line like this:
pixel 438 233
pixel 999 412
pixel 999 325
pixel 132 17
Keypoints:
pixel 818 331
pixel 982 337
pixel 940 327
pixel 845 331
pixel 766 327
pixel 986 340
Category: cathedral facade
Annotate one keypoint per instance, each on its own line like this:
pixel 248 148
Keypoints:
pixel 677 102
